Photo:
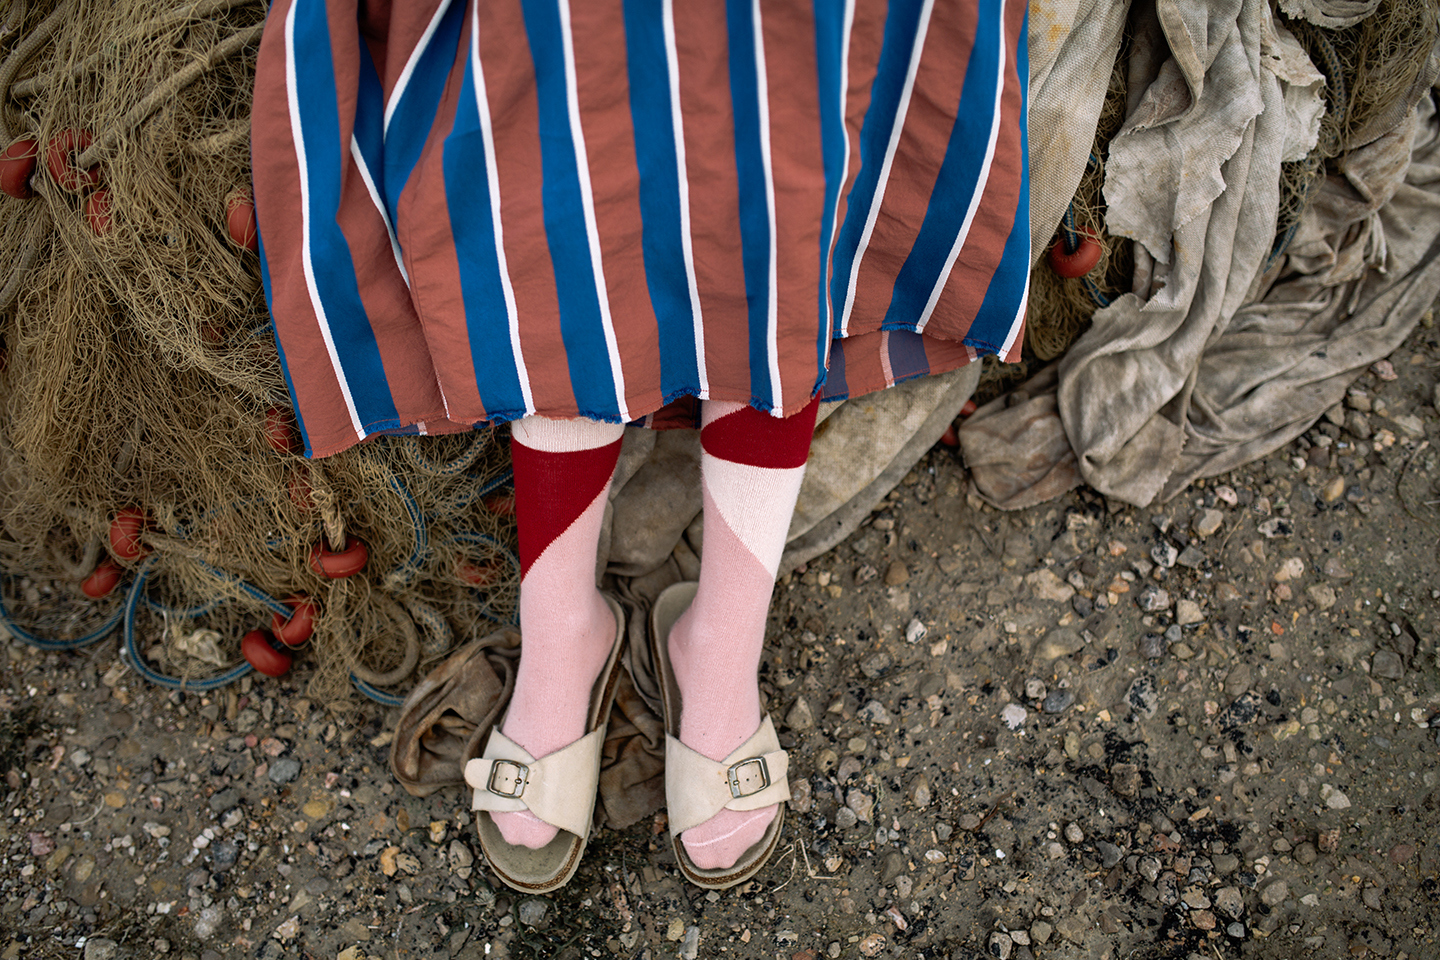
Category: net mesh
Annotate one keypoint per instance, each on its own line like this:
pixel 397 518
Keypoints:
pixel 140 372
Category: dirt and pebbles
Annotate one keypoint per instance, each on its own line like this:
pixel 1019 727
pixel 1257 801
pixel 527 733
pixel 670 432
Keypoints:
pixel 1207 729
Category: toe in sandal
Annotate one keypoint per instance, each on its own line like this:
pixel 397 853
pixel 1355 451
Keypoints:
pixel 753 776
pixel 559 788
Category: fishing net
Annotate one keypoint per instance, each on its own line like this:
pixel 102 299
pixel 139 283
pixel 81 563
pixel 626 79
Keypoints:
pixel 140 374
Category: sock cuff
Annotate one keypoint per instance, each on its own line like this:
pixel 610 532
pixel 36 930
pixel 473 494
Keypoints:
pixel 564 436
pixel 756 439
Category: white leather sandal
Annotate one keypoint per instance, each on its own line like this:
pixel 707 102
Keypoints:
pixel 559 788
pixel 753 776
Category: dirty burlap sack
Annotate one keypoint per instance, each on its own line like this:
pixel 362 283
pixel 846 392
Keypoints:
pixel 446 718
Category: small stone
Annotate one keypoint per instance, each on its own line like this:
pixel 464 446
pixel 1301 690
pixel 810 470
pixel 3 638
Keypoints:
pixel 892 865
pixel 872 945
pixel 1203 920
pixel 1073 833
pixel 690 945
pixel 1047 585
pixel 1370 896
pixel 1153 646
pixel 1225 863
pixel 1188 612
pixel 896 574
pixel 1040 931
pixel 1387 665
pixel 1143 697
pixel 207 922
pixel 1058 701
pixel 1275 893
pixel 1072 928
pixel 1359 425
pixel 1305 853
pixel 1229 901
pixel 1401 852
pixel 862 804
pixel 1210 521
pixel 1034 689
pixel 1164 554
pixel 1013 715
pixel 1275 528
pixel 920 791
pixel 1153 599
pixel 284 770
pixel 845 818
pixel 801 717
pixel 1333 490
pixel 875 665
pixel 1149 868
pixel 1236 930
pixel 1060 642
pixel 915 631
pixel 1336 570
pixel 1334 799
pixel 288 930
pixel 1293 568
pixel 874 712
pixel 1110 854
pixel 1328 841
pixel 999 945
pixel 100 948
pixel 532 912
pixel 1411 425
pixel 1322 596
pixel 1125 779
pixel 675 930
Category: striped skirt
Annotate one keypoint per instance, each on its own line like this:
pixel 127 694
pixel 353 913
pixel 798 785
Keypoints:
pixel 475 210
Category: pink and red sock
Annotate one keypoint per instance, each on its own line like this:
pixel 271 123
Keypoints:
pixel 751 468
pixel 562 476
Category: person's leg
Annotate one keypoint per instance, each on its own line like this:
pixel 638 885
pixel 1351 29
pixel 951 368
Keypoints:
pixel 751 468
pixel 562 475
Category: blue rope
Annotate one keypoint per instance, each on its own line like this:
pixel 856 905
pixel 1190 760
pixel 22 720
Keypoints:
pixel 485 539
pixel 376 694
pixel 44 643
pixel 406 571
pixel 137 659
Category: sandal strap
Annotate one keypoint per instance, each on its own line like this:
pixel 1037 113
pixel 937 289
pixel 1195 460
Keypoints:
pixel 559 788
pixel 754 775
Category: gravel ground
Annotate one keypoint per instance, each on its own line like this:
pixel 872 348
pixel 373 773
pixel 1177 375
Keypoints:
pixel 1207 729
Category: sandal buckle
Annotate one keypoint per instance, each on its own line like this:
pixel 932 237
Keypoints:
pixel 508 778
pixel 748 777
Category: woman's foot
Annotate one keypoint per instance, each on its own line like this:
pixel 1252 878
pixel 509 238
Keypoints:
pixel 562 476
pixel 720 709
pixel 550 707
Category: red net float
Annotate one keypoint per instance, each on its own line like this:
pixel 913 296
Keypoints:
pixel 280 431
pixel 102 580
pixel 17 166
pixel 968 409
pixel 297 630
pixel 61 154
pixel 338 564
pixel 264 654
pixel 125 530
pixel 1073 265
pixel 240 220
pixel 501 504
pixel 97 211
pixel 297 484
pixel 479 574
pixel 949 438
